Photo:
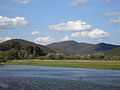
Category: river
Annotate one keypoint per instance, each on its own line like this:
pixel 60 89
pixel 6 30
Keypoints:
pixel 14 77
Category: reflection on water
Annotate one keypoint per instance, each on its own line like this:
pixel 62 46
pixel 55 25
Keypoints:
pixel 53 78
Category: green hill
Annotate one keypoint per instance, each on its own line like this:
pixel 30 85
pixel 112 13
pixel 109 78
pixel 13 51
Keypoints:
pixel 19 49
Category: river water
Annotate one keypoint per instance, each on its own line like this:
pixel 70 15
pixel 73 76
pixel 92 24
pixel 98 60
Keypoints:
pixel 14 77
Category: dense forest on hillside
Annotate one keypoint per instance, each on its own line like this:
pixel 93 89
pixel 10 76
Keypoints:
pixel 70 50
pixel 22 49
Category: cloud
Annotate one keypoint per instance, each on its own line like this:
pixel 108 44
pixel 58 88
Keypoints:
pixel 96 33
pixel 76 34
pixel 115 20
pixel 81 2
pixel 44 40
pixel 66 38
pixel 78 2
pixel 23 1
pixel 35 33
pixel 83 30
pixel 70 26
pixel 112 13
pixel 2 39
pixel 6 22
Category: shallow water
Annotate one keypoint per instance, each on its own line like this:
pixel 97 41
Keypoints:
pixel 55 78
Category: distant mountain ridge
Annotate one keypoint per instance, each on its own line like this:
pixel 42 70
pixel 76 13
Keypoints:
pixel 75 48
pixel 104 46
pixel 67 47
pixel 113 52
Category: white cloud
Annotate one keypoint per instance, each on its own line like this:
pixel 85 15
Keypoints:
pixel 77 2
pixel 2 39
pixel 96 33
pixel 6 22
pixel 23 1
pixel 76 34
pixel 66 38
pixel 112 13
pixel 35 33
pixel 44 40
pixel 115 20
pixel 71 26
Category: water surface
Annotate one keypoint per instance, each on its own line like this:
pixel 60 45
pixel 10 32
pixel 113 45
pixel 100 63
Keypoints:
pixel 14 77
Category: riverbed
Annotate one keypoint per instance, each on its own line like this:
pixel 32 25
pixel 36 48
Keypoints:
pixel 13 77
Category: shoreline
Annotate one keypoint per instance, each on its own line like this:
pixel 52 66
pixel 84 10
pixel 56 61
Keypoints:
pixel 90 64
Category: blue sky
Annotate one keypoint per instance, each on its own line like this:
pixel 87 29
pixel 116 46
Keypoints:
pixel 46 21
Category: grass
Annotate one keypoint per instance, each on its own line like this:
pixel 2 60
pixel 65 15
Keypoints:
pixel 114 65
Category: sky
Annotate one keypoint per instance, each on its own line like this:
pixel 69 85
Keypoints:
pixel 48 21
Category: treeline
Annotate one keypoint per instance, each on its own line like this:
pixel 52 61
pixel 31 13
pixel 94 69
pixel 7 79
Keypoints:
pixel 30 53
pixel 62 56
pixel 23 54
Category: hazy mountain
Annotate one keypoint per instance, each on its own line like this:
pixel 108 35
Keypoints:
pixel 113 52
pixel 75 48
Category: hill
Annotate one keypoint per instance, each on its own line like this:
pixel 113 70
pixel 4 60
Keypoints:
pixel 19 49
pixel 22 44
pixel 22 49
pixel 75 48
pixel 113 52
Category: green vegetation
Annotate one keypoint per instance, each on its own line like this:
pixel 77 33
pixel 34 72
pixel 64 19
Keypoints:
pixel 21 49
pixel 115 65
pixel 17 49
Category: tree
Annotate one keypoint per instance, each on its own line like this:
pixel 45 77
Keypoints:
pixel 3 56
pixel 60 56
pixel 51 56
